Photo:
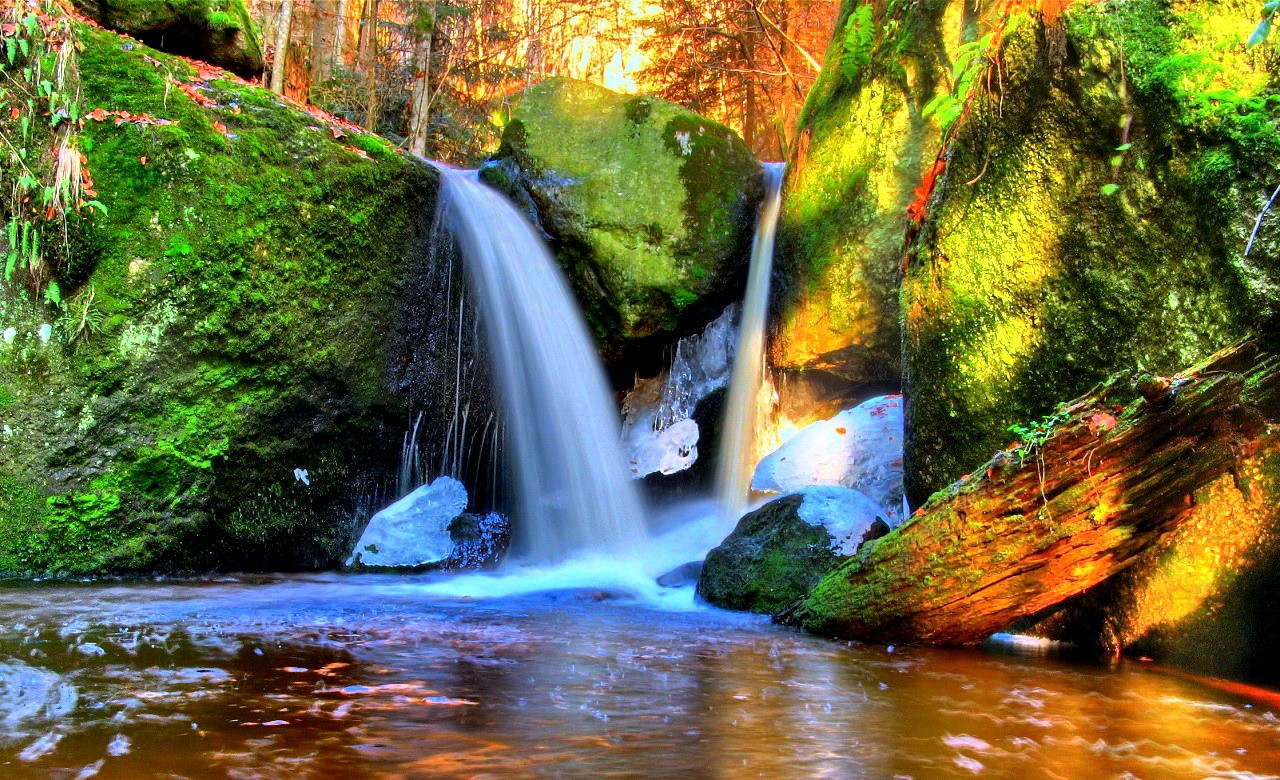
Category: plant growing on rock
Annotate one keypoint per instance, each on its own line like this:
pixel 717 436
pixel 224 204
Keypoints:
pixel 48 183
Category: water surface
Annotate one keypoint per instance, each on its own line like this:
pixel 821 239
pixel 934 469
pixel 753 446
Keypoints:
pixel 340 676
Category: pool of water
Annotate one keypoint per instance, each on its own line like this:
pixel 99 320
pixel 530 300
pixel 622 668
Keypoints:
pixel 345 676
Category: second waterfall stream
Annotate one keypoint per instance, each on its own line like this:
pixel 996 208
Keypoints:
pixel 737 454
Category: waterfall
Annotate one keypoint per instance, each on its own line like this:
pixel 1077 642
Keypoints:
pixel 565 453
pixel 737 438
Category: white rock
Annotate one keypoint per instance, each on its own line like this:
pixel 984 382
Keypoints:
pixel 859 448
pixel 847 514
pixel 413 531
pixel 672 449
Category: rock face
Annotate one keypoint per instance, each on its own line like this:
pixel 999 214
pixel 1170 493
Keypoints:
pixel 1090 218
pixel 651 208
pixel 863 148
pixel 226 323
pixel 859 448
pixel 777 553
pixel 427 530
pixel 220 32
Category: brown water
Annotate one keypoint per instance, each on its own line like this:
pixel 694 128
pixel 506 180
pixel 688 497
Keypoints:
pixel 330 676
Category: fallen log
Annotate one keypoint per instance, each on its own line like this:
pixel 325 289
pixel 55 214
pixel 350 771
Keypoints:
pixel 1076 501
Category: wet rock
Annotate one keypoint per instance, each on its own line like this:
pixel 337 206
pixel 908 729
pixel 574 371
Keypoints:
pixel 479 541
pixel 651 208
pixel 859 448
pixel 684 574
pixel 781 550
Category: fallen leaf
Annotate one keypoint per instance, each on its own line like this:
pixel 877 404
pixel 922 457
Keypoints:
pixel 143 159
pixel 1101 422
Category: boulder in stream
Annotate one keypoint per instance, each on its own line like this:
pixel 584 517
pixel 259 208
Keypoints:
pixel 650 207
pixel 781 550
pixel 859 448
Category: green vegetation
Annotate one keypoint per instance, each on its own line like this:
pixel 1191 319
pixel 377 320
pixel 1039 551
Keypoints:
pixel 1092 219
pixel 225 322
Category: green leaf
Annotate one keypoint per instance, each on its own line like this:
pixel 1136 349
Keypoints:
pixel 93 204
pixel 1109 189
pixel 53 294
pixel 1124 147
pixel 1117 161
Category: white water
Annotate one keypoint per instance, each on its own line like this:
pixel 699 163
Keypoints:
pixel 572 487
pixel 737 455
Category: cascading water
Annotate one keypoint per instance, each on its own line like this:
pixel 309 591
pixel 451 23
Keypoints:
pixel 573 491
pixel 737 442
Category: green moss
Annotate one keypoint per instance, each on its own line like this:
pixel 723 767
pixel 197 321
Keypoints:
pixel 864 148
pixel 649 203
pixel 246 280
pixel 1030 284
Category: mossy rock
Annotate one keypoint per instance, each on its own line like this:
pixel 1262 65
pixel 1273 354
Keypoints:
pixel 651 208
pixel 226 322
pixel 864 146
pixel 779 552
pixel 1092 218
pixel 219 32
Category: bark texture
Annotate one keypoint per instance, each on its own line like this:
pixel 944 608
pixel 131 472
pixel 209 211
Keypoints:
pixel 1116 471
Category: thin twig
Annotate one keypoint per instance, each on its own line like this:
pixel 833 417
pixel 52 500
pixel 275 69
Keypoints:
pixel 1257 225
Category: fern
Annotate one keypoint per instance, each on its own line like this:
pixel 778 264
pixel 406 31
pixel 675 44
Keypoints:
pixel 859 37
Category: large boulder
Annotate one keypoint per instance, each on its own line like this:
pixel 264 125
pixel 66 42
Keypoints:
pixel 1090 215
pixel 863 147
pixel 220 32
pixel 651 208
pixel 212 392
pixel 777 553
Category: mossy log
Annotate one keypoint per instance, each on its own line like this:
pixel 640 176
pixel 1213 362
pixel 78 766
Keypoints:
pixel 1039 524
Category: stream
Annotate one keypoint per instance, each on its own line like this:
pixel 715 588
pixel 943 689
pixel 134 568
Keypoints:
pixel 382 676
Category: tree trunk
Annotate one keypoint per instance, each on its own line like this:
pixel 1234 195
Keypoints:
pixel 420 102
pixel 1037 526
pixel 283 27
pixel 371 65
pixel 324 40
pixel 340 33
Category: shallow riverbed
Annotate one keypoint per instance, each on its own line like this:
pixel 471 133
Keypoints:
pixel 341 676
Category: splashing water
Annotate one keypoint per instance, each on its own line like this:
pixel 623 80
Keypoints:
pixel 737 442
pixel 573 491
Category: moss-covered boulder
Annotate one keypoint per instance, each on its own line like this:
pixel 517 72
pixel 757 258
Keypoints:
pixel 212 391
pixel 777 553
pixel 220 32
pixel 1090 215
pixel 864 146
pixel 651 208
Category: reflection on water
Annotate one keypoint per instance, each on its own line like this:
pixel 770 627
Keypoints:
pixel 329 676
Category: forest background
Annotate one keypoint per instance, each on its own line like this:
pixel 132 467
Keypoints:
pixel 442 76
